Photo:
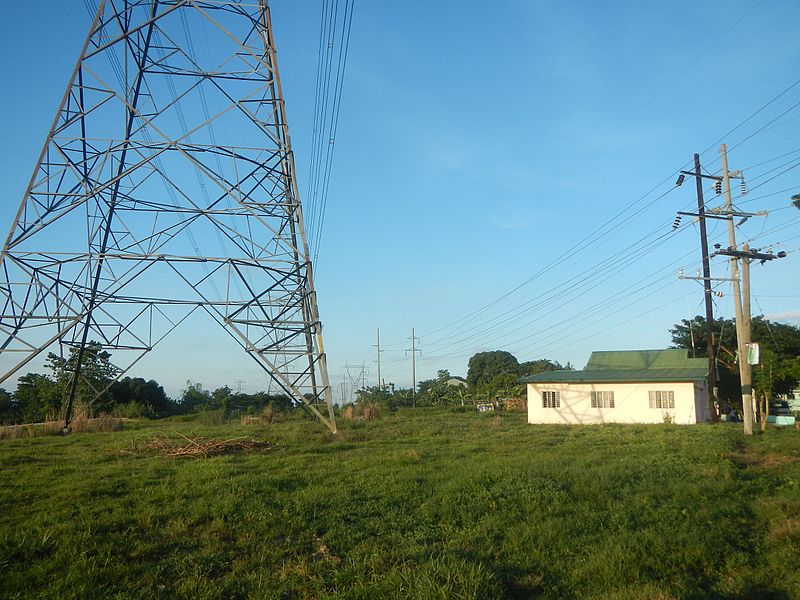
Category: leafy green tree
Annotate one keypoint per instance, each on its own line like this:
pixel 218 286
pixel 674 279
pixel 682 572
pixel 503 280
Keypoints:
pixel 438 392
pixel 37 397
pixel 533 367
pixel 483 367
pixel 692 335
pixel 781 339
pixel 502 385
pixel 255 403
pixel 194 397
pixel 459 395
pixel 389 396
pixel 147 395
pixel 401 397
pixel 220 399
pixel 496 374
pixel 97 374
pixel 9 411
pixel 427 385
pixel 381 394
pixel 775 374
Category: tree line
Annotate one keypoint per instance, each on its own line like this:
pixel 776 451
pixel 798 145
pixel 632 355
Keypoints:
pixel 777 372
pixel 495 375
pixel 41 396
pixel 490 376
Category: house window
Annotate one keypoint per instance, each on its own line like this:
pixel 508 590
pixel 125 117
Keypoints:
pixel 602 399
pixel 662 399
pixel 551 399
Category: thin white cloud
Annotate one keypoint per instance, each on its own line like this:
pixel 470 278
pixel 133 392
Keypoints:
pixel 789 315
pixel 507 223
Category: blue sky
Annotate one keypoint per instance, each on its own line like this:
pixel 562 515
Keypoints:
pixel 483 146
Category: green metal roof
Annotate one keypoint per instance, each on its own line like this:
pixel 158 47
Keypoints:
pixel 673 358
pixel 630 366
pixel 617 375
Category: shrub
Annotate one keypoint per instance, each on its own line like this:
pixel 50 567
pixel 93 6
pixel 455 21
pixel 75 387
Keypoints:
pixel 213 417
pixel 520 403
pixel 130 410
pixel 371 411
pixel 12 432
pixel 81 423
pixel 365 411
pixel 103 423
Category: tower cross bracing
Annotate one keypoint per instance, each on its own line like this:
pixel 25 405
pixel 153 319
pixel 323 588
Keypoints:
pixel 167 187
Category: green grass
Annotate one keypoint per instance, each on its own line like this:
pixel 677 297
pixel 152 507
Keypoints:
pixel 420 504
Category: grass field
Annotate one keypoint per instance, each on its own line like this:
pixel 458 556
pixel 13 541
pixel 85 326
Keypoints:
pixel 418 504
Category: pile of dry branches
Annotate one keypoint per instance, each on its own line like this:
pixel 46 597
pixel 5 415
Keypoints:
pixel 196 447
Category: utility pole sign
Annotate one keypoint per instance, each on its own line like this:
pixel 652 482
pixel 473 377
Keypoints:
pixel 753 353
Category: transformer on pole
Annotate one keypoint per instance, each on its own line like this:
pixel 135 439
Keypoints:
pixel 165 187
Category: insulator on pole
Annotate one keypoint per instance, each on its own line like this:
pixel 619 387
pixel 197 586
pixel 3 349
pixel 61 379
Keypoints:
pixel 743 188
pixel 718 187
pixel 681 179
pixel 676 223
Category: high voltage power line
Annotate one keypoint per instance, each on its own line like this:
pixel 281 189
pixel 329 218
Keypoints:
pixel 494 325
pixel 334 43
pixel 584 243
pixel 681 73
pixel 600 233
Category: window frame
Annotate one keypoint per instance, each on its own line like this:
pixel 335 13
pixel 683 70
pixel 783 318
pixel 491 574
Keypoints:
pixel 551 399
pixel 662 399
pixel 602 398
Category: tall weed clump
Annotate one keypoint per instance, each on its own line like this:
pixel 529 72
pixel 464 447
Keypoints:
pixel 81 423
pixel 365 411
pixel 371 411
pixel 29 430
pixel 267 416
pixel 213 417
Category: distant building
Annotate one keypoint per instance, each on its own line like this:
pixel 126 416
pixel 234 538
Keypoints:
pixel 630 386
pixel 456 382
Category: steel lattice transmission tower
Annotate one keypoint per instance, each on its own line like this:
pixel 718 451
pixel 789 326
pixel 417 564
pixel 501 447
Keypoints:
pixel 167 186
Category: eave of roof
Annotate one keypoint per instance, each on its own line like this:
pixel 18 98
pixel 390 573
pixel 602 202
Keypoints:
pixel 617 375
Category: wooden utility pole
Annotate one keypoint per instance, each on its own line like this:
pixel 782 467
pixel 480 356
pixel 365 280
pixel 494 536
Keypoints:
pixel 713 405
pixel 747 326
pixel 380 384
pixel 742 336
pixel 413 368
pixel 741 300
pixel 745 369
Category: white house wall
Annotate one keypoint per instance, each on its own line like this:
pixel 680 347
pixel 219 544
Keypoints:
pixel 631 403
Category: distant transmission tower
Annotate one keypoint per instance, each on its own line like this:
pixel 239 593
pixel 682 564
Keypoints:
pixel 167 186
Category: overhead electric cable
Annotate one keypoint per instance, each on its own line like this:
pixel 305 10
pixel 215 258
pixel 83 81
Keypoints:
pixel 591 239
pixel 339 86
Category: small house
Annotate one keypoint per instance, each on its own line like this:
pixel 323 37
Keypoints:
pixel 630 386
